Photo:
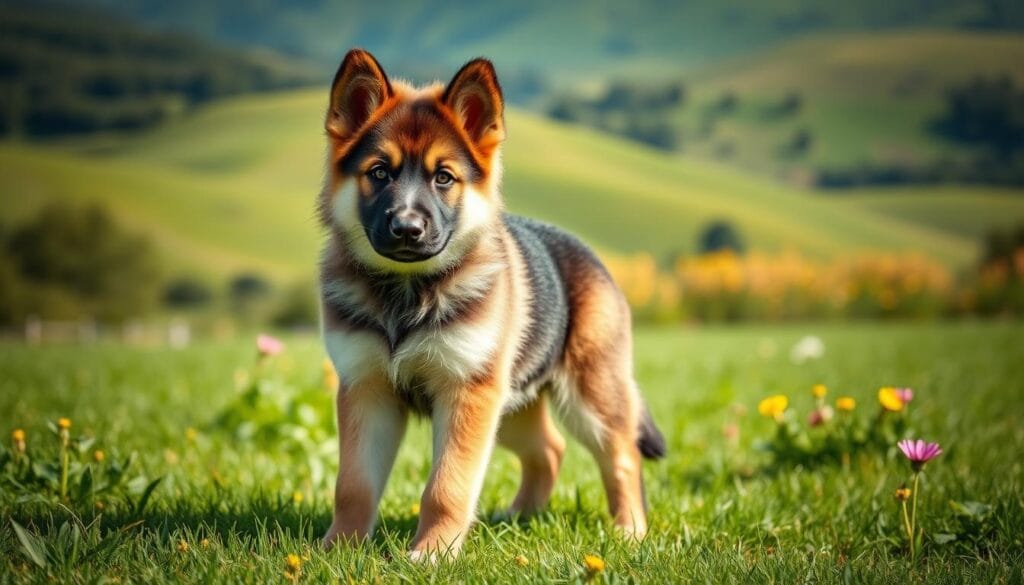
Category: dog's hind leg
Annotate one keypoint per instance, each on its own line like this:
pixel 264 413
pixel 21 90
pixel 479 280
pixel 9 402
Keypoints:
pixel 600 402
pixel 531 434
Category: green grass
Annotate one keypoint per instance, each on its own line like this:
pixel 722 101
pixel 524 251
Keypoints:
pixel 232 188
pixel 717 515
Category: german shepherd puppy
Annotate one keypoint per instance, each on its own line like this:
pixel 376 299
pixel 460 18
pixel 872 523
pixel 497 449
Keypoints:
pixel 437 303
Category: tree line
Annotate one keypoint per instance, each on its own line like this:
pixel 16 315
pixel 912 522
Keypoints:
pixel 66 71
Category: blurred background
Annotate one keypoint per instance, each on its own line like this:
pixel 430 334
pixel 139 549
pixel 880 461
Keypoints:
pixel 774 160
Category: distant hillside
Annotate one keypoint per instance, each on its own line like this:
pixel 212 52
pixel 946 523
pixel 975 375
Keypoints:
pixel 560 39
pixel 232 188
pixel 824 106
pixel 72 71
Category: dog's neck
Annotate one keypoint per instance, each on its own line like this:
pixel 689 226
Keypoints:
pixel 395 304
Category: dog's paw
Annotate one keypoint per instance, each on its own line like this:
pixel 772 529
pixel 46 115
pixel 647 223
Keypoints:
pixel 423 557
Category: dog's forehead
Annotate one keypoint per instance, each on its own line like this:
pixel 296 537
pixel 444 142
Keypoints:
pixel 418 128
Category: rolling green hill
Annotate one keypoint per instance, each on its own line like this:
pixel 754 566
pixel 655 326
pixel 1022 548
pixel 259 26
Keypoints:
pixel 233 186
pixel 865 98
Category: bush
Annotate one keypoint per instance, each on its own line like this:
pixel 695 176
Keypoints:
pixel 300 307
pixel 71 262
pixel 720 235
pixel 985 112
pixel 186 292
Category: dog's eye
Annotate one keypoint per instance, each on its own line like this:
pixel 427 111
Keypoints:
pixel 443 178
pixel 379 173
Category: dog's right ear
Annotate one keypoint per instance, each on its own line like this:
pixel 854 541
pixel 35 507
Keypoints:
pixel 359 89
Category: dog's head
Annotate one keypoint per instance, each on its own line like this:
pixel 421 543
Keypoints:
pixel 413 173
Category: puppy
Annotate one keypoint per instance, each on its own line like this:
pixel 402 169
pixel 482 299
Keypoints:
pixel 437 303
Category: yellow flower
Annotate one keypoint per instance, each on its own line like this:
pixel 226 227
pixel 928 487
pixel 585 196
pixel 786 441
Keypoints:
pixel 773 406
pixel 293 562
pixel 18 435
pixel 205 543
pixel 521 560
pixel 297 497
pixel 182 546
pixel 64 423
pixel 890 399
pixel 415 509
pixel 593 563
pixel 846 404
pixel 903 494
pixel 98 456
pixel 191 435
pixel 330 376
pixel 819 390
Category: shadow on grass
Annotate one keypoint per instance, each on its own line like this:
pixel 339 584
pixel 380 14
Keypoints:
pixel 256 518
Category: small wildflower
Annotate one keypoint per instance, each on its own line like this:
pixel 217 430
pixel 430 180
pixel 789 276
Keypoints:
pixel 819 390
pixel 919 452
pixel 593 563
pixel 191 434
pixel 98 456
pixel 330 376
pixel 820 416
pixel 773 406
pixel 64 423
pixel 846 404
pixel 521 560
pixel 205 543
pixel 415 509
pixel 267 345
pixel 905 394
pixel 18 436
pixel 297 497
pixel 890 399
pixel 293 563
pixel 903 494
pixel 182 546
pixel 731 432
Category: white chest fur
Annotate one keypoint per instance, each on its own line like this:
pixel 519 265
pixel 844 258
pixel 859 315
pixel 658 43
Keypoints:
pixel 433 355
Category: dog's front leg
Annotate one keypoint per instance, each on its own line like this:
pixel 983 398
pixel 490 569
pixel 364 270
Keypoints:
pixel 465 423
pixel 371 423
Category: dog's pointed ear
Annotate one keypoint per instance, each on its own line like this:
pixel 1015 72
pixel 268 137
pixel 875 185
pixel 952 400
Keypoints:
pixel 474 95
pixel 360 87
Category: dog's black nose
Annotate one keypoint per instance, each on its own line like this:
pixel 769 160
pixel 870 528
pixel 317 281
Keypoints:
pixel 407 225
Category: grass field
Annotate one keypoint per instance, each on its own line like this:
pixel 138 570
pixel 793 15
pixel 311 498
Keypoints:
pixel 231 188
pixel 225 510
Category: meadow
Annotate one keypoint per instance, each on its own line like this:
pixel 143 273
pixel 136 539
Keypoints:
pixel 235 501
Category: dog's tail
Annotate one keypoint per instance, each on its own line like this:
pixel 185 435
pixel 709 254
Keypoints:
pixel 651 441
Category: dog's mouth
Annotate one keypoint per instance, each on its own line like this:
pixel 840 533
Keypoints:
pixel 406 251
pixel 408 255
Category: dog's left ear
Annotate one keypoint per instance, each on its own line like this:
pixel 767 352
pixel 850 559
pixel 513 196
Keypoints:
pixel 475 97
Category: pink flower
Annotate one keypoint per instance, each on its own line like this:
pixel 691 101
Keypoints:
pixel 267 345
pixel 919 452
pixel 820 416
pixel 906 395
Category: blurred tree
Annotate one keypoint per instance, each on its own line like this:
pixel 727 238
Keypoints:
pixel 985 112
pixel 77 262
pixel 186 292
pixel 720 235
pixel 300 307
pixel 249 295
